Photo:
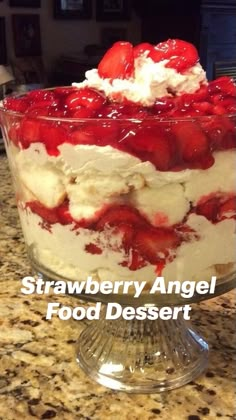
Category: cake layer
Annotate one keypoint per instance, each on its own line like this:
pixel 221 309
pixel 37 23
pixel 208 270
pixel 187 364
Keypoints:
pixel 92 177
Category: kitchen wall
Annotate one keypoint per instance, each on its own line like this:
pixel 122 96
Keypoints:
pixel 64 36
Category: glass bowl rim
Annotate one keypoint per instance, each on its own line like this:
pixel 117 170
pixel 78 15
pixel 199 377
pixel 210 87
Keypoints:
pixel 149 119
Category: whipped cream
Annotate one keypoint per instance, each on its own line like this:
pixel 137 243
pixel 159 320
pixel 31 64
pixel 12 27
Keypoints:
pixel 151 81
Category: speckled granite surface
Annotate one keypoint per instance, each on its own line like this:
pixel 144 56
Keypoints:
pixel 39 377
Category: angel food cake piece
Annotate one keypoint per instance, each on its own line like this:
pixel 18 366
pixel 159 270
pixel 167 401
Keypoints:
pixel 131 173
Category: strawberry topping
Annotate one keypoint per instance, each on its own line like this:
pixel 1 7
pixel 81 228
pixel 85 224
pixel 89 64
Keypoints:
pixel 117 215
pixel 181 54
pixel 138 130
pixel 155 244
pixel 118 62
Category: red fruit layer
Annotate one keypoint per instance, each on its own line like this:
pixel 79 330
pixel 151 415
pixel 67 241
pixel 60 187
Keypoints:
pixel 171 145
pixel 142 243
pixel 217 208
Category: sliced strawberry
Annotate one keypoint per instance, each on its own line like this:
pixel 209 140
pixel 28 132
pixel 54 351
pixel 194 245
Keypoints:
pixel 163 156
pixel 63 214
pixel 29 132
pixel 218 110
pixel 223 85
pixel 122 111
pixel 64 90
pixel 229 140
pixel 155 244
pixel 87 97
pixel 217 129
pixel 52 136
pixel 200 95
pixel 163 105
pixel 48 215
pixel 205 162
pixel 34 111
pixel 43 105
pixel 227 102
pixel 118 62
pixel 227 210
pixel 208 209
pixel 126 230
pixel 101 134
pixel 20 104
pixel 135 261
pixel 118 215
pixel 143 48
pixel 181 54
pixel 152 143
pixel 58 112
pixel 204 107
pixel 191 141
pixel 93 249
pixel 41 95
pixel 82 112
pixel 84 135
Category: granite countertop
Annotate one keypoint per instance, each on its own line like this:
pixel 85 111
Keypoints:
pixel 39 376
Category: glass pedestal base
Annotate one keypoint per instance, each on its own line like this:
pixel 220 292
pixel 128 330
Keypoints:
pixel 141 356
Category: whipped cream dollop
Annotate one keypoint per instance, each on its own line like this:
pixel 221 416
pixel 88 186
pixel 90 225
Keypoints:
pixel 151 81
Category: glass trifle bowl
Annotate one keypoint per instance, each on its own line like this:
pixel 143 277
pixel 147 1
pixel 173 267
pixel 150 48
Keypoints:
pixel 126 196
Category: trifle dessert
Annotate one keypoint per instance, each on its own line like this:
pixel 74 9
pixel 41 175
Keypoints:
pixel 130 174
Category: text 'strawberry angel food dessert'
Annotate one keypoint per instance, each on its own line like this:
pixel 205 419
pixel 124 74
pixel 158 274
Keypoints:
pixel 131 173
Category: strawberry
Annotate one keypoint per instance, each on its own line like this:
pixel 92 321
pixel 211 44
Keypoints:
pixel 126 230
pixel 228 101
pixel 218 129
pixel 43 105
pixel 86 97
pixel 106 132
pixel 142 49
pixel 205 162
pixel 52 136
pixel 163 156
pixel 93 249
pixel 191 141
pixel 122 111
pixel 224 85
pixel 34 111
pixel 64 90
pixel 118 215
pixel 208 209
pixel 118 62
pixel 48 215
pixel 41 95
pixel 82 112
pixel 163 105
pixel 99 134
pixel 16 104
pixel 218 110
pixel 29 132
pixel 204 107
pixel 136 261
pixel 83 135
pixel 63 214
pixel 154 243
pixel 181 54
pixel 152 143
pixel 227 210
